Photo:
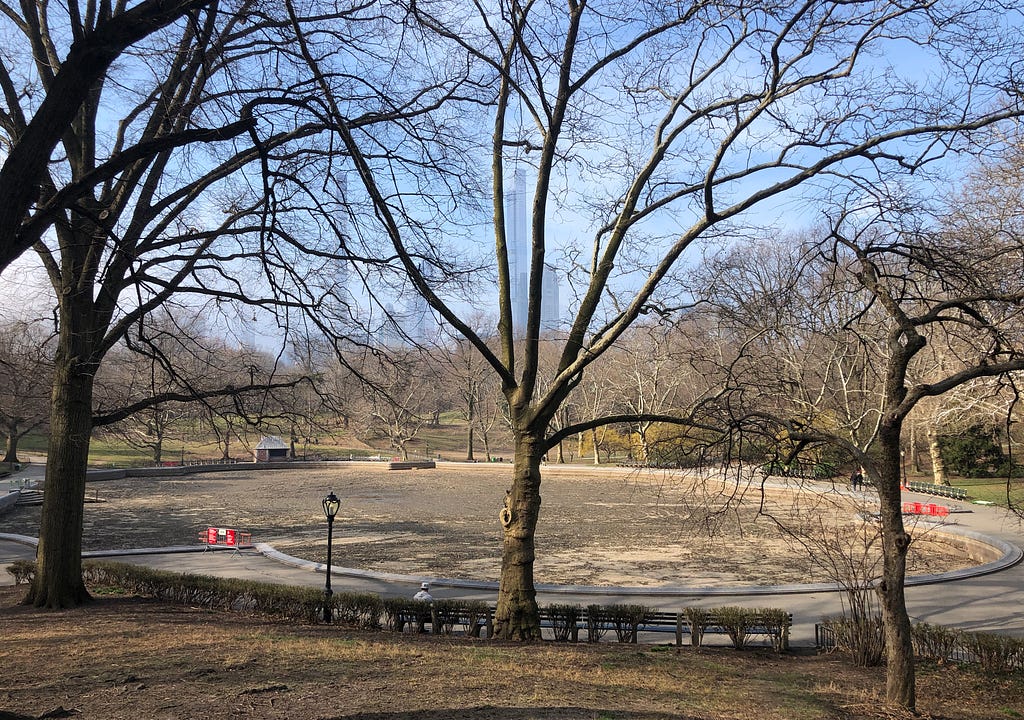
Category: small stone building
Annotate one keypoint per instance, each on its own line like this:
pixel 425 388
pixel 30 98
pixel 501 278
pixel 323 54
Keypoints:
pixel 271 448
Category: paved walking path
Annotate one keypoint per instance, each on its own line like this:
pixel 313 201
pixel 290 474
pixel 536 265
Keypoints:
pixel 990 598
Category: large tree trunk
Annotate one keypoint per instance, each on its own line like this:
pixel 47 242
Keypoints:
pixel 516 616
pixel 58 579
pixel 900 683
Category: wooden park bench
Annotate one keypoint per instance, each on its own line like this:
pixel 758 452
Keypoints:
pixel 664 622
pixel 444 617
pixel 626 622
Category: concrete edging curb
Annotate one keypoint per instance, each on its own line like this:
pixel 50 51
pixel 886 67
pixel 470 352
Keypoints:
pixel 1010 555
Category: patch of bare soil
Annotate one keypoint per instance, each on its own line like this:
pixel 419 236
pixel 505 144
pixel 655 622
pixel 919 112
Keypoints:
pixel 127 658
pixel 596 527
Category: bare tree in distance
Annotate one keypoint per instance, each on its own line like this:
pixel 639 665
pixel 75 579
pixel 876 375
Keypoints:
pixel 660 127
pixel 26 369
pixel 398 398
pixel 146 384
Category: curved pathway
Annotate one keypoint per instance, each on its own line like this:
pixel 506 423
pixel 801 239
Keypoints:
pixel 989 598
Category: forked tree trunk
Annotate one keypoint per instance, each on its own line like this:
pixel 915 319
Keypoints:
pixel 900 683
pixel 58 579
pixel 516 616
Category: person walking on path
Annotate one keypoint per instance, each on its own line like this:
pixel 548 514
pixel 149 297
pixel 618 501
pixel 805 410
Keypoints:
pixel 857 479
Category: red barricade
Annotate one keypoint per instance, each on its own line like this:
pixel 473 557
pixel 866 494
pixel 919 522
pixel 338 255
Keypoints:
pixel 225 536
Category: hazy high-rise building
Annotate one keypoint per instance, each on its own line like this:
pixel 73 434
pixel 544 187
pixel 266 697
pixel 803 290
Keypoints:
pixel 517 238
pixel 418 322
pixel 550 317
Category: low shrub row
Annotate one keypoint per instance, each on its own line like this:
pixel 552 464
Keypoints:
pixel 367 610
pixel 444 616
pixel 304 604
pixel 628 620
pixel 624 620
pixel 990 652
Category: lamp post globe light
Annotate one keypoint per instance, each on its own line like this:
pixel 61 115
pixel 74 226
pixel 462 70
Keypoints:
pixel 331 504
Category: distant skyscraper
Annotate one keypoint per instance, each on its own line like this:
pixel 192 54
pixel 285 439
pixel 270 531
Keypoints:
pixel 550 317
pixel 419 324
pixel 517 238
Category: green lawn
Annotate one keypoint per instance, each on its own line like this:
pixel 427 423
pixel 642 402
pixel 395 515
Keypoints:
pixel 992 490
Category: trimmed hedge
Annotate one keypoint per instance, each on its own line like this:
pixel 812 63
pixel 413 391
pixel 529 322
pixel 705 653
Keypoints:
pixel 366 610
pixel 988 651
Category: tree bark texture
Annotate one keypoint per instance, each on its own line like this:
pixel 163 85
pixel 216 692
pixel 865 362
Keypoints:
pixel 58 579
pixel 516 616
pixel 900 682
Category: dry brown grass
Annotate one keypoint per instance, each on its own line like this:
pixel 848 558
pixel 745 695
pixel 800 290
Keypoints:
pixel 125 657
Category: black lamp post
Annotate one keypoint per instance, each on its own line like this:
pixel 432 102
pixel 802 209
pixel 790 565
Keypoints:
pixel 331 504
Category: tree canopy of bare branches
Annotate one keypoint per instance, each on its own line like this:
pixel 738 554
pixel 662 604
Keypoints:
pixel 650 128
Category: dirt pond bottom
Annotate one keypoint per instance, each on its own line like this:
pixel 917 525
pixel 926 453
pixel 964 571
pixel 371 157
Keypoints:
pixel 598 526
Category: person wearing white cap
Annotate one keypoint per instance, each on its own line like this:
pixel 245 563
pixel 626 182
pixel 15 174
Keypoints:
pixel 424 593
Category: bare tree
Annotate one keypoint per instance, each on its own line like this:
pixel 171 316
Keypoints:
pixel 163 188
pixel 398 399
pixel 652 373
pixel 467 380
pixel 26 367
pixel 892 290
pixel 657 127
